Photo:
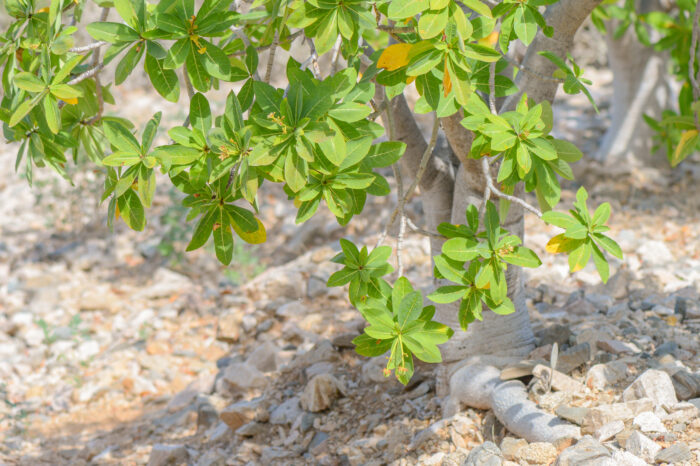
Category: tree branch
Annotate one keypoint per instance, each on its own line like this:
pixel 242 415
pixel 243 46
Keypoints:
pixel 86 74
pixel 87 48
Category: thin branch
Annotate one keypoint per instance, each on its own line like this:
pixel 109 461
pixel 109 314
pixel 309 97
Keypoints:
pixel 496 192
pixel 87 74
pixel 271 57
pixel 232 174
pixel 396 29
pixel 421 170
pixel 87 48
pixel 416 229
pixel 313 57
pixel 98 84
pixel 336 55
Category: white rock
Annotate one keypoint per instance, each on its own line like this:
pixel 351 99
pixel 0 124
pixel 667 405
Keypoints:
pixel 618 347
pixel 653 384
pixel 648 422
pixel 654 253
pixel 244 376
pixel 287 412
pixel 642 446
pixel 625 458
pixel 320 392
pixel 600 376
pixel 609 430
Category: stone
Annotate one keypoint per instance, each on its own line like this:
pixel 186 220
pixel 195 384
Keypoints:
pixel 321 351
pixel 486 454
pixel 538 453
pixel 287 412
pixel 653 384
pixel 675 454
pixel 600 376
pixel 586 452
pixel 625 458
pixel 510 446
pixel 601 302
pixel 573 357
pixel 555 333
pixel 682 412
pixel 228 327
pixel 669 347
pixel 648 422
pixel 434 432
pixel 251 429
pixel 207 416
pixel 575 414
pixel 239 413
pixel 162 455
pixel 187 396
pixel 166 284
pixel 263 357
pixel 598 416
pixel 618 347
pixel 609 430
pixel 318 443
pixel 593 335
pixel 275 455
pixel 642 446
pixel 686 384
pixel 654 253
pixel 320 392
pixel 243 376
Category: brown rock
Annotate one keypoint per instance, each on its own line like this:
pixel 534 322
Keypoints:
pixel 320 393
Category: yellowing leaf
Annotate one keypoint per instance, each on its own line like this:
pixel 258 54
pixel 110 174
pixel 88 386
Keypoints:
pixel 410 79
pixel 578 267
pixel 446 81
pixel 489 40
pixel 394 57
pixel 685 146
pixel 258 236
pixel 560 244
pixel 297 203
pixel 43 10
pixel 73 101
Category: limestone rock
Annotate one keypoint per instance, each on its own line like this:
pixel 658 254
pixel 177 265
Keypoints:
pixel 263 357
pixel 510 447
pixel 601 415
pixel 486 454
pixel 648 422
pixel 625 458
pixel 609 430
pixel 239 413
pixel 162 455
pixel 586 452
pixel 537 453
pixel 600 376
pixel 575 414
pixel 244 376
pixel 675 454
pixel 618 347
pixel 642 446
pixel 320 392
pixel 228 327
pixel 287 412
pixel 653 384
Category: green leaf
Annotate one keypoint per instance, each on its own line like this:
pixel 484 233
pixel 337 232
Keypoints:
pixel 120 137
pixel 128 63
pixel 243 218
pixel 132 11
pixel 112 32
pixel 400 9
pixel 177 54
pixel 525 25
pixel 131 210
pixel 51 112
pixel 24 108
pixel 119 159
pixel 342 277
pixel 65 92
pixel 409 309
pixel 384 154
pixel 578 258
pixel 216 63
pixel 295 172
pixel 223 238
pixel 608 244
pixel 200 113
pixel 451 270
pixel 164 81
pixel 601 264
pixel 432 23
pixel 176 154
pixel 371 347
pixel 566 150
pixel 195 70
pixel 686 144
pixel 559 219
pixel 460 249
pixel 350 112
pixel 601 214
pixel 522 257
pixel 478 7
pixel 28 82
pixel 448 294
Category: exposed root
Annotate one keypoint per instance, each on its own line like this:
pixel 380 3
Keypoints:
pixel 479 386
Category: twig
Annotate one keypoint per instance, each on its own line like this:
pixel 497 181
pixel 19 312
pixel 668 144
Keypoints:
pixel 314 58
pixel 336 55
pixel 87 48
pixel 396 29
pixel 421 169
pixel 98 84
pixel 421 231
pixel 87 74
pixel 261 48
pixel 232 174
pixel 271 57
pixel 190 93
pixel 695 78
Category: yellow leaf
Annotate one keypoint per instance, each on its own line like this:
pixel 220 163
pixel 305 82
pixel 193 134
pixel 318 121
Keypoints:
pixel 560 243
pixel 489 40
pixel 394 57
pixel 446 81
pixel 578 267
pixel 256 237
pixel 73 101
pixel 685 146
pixel 43 10
pixel 672 321
pixel 116 212
pixel 297 203
pixel 410 79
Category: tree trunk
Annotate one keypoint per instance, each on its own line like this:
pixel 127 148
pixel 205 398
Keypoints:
pixel 641 85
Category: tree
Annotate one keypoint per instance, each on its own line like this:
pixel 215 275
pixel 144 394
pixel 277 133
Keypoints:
pixel 318 137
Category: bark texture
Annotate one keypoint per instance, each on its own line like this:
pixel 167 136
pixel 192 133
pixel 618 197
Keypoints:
pixel 641 85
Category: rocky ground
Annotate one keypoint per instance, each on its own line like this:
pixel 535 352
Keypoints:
pixel 116 350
